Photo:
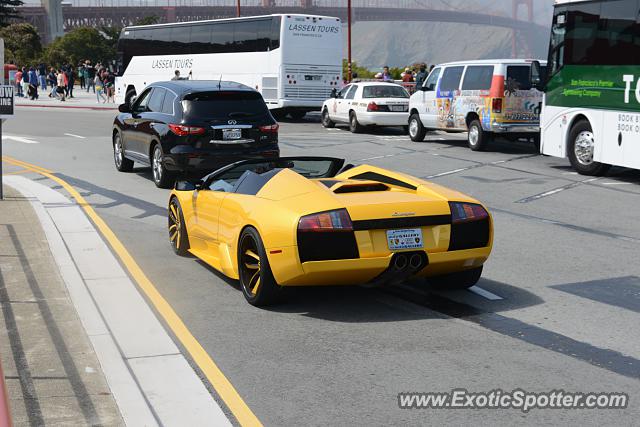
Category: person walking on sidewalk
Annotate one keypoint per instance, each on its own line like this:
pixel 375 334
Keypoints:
pixel 18 82
pixel 52 79
pixel 99 88
pixel 33 84
pixel 61 85
pixel 42 76
pixel 81 76
pixel 90 76
pixel 25 82
pixel 71 77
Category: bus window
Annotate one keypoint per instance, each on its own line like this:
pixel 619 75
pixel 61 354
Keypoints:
pixel 274 38
pixel 222 37
pixel 201 39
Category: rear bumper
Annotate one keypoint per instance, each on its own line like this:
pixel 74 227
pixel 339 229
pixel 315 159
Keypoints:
pixel 203 161
pixel 384 118
pixel 498 127
pixel 289 272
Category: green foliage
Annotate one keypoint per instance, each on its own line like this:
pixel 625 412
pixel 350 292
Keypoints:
pixel 148 20
pixel 8 11
pixel 22 43
pixel 79 45
pixel 364 73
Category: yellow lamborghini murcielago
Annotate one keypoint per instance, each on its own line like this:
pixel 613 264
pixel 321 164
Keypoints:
pixel 300 221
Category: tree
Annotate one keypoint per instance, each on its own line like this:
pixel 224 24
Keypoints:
pixel 22 43
pixel 78 45
pixel 8 11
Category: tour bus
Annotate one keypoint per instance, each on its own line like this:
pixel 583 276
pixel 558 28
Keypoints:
pixel 591 108
pixel 294 61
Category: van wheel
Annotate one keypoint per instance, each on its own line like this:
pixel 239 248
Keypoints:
pixel 581 148
pixel 477 138
pixel 354 125
pixel 417 132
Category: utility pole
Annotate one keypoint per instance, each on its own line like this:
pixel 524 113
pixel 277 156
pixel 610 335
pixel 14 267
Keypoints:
pixel 349 40
pixel 238 9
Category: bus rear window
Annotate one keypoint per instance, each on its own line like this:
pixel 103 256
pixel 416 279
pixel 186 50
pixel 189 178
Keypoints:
pixel 224 104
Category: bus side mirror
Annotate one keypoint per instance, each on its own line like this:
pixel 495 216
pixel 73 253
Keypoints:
pixel 535 75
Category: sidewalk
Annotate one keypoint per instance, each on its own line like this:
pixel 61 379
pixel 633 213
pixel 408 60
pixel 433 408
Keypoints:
pixel 81 99
pixel 51 371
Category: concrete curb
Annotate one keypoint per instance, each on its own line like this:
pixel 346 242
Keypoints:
pixel 151 381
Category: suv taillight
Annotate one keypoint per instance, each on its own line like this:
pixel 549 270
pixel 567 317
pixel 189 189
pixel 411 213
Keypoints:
pixel 496 105
pixel 338 220
pixel 270 128
pixel 182 130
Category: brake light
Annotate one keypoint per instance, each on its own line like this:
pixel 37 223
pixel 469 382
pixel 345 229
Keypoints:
pixel 270 128
pixel 372 106
pixel 496 105
pixel 465 212
pixel 182 130
pixel 337 220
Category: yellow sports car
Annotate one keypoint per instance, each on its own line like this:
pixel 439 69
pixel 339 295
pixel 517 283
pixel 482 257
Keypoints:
pixel 299 221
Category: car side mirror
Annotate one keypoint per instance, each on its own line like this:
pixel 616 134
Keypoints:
pixel 334 93
pixel 187 186
pixel 424 88
pixel 536 76
pixel 124 108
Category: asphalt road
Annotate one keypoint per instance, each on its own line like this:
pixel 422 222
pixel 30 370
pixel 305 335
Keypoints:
pixel 565 267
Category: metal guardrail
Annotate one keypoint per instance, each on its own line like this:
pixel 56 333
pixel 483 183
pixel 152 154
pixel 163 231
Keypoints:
pixel 5 413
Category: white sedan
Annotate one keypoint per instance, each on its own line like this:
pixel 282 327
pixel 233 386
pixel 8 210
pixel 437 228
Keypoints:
pixel 367 104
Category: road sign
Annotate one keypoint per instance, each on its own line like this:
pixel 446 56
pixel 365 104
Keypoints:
pixel 6 101
pixel 2 110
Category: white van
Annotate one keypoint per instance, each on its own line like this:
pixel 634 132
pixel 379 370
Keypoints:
pixel 482 98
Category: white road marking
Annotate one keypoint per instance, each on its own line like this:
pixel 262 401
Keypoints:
pixel 20 139
pixel 485 293
pixel 617 183
pixel 555 191
pixel 446 173
pixel 569 173
pixel 378 157
pixel 76 136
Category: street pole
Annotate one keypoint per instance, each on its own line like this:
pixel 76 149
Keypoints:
pixel 238 9
pixel 1 82
pixel 349 40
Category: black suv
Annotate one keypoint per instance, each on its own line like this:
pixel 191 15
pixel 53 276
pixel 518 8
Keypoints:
pixel 193 127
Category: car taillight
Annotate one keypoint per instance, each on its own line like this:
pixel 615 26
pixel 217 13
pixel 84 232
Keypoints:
pixel 496 105
pixel 337 220
pixel 270 128
pixel 372 106
pixel 465 212
pixel 182 130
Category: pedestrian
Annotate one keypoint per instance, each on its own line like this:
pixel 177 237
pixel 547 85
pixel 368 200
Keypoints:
pixel 99 88
pixel 42 76
pixel 386 75
pixel 33 84
pixel 52 79
pixel 81 76
pixel 408 76
pixel 61 86
pixel 90 76
pixel 71 78
pixel 109 84
pixel 25 82
pixel 421 76
pixel 18 82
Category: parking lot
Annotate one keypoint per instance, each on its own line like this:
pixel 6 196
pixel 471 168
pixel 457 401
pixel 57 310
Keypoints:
pixel 556 307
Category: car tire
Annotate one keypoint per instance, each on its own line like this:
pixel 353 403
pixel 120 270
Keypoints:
pixel 580 150
pixel 458 280
pixel 258 285
pixel 178 237
pixel 417 132
pixel 354 125
pixel 477 138
pixel 161 177
pixel 536 142
pixel 326 120
pixel 278 114
pixel 122 163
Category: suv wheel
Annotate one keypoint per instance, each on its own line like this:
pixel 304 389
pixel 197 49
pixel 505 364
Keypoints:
pixel 122 163
pixel 161 177
pixel 581 148
pixel 417 132
pixel 477 138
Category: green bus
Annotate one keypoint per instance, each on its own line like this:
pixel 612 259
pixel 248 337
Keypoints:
pixel 591 107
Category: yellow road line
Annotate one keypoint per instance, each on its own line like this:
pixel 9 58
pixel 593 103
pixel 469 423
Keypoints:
pixel 220 383
pixel 18 172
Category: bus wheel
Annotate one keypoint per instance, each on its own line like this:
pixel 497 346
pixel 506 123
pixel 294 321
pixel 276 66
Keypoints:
pixel 477 138
pixel 297 115
pixel 581 148
pixel 278 113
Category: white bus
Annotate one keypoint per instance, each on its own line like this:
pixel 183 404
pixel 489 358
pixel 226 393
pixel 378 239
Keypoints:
pixel 293 60
pixel 591 110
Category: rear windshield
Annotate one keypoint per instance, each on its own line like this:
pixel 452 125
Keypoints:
pixel 518 77
pixel 224 105
pixel 383 91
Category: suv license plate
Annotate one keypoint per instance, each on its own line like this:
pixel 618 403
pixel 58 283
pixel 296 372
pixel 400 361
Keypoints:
pixel 228 134
pixel 407 238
